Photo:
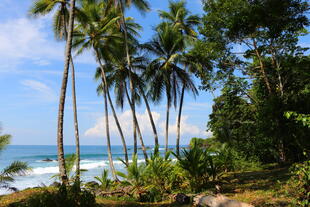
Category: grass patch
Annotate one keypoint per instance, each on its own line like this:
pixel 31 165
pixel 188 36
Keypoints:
pixel 266 187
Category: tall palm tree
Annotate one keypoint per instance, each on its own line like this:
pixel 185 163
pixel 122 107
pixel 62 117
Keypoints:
pixel 97 31
pixel 100 90
pixel 180 18
pixel 164 72
pixel 142 6
pixel 15 168
pixel 60 28
pixel 118 75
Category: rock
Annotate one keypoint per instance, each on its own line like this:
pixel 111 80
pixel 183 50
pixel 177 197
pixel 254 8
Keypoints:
pixel 181 198
pixel 218 201
pixel 147 148
pixel 55 184
pixel 47 160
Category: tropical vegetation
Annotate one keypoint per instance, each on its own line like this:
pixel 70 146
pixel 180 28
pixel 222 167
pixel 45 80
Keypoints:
pixel 244 52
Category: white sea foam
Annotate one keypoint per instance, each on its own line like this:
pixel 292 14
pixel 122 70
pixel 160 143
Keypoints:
pixel 85 164
pixel 44 170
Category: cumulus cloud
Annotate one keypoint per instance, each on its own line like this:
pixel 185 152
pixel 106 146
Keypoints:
pixel 186 128
pixel 39 91
pixel 125 118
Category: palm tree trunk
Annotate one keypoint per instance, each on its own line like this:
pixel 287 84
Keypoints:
pixel 151 117
pixel 138 127
pixel 106 117
pixel 119 128
pixel 62 98
pixel 76 125
pixel 108 135
pixel 135 147
pixel 179 121
pixel 167 124
pixel 130 78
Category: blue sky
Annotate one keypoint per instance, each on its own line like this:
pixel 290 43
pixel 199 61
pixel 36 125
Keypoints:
pixel 30 77
pixel 31 65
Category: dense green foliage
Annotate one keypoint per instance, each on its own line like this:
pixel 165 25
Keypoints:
pixel 251 53
pixel 299 184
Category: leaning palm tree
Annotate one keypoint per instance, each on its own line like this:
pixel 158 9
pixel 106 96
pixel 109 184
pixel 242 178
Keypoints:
pixel 15 168
pixel 98 32
pixel 164 72
pixel 101 91
pixel 180 18
pixel 142 6
pixel 60 28
pixel 118 75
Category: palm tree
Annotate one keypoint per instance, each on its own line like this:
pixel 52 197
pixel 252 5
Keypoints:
pixel 60 27
pixel 142 6
pixel 118 75
pixel 15 168
pixel 164 72
pixel 97 31
pixel 180 18
pixel 100 90
pixel 132 31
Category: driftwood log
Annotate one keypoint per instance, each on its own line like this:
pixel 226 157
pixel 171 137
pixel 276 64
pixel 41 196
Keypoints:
pixel 218 201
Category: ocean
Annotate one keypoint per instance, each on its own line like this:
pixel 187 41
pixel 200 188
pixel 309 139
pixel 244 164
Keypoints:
pixel 93 159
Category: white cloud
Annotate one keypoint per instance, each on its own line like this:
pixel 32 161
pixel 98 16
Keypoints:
pixel 24 39
pixel 125 120
pixel 186 128
pixel 39 91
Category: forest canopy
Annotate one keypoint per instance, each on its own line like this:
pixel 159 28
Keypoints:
pixel 251 53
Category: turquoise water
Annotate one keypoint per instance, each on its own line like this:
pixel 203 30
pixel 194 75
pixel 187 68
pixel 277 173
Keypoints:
pixel 93 159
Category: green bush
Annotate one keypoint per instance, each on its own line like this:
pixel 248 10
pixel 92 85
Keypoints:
pixel 105 182
pixel 134 177
pixel 229 159
pixel 299 184
pixel 198 165
pixel 62 197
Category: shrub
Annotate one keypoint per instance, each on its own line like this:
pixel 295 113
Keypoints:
pixel 229 159
pixel 199 166
pixel 105 182
pixel 299 183
pixel 134 177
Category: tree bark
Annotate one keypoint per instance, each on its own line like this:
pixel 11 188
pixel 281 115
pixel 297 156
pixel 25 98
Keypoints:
pixel 130 78
pixel 108 135
pixel 276 64
pixel 167 124
pixel 151 118
pixel 262 68
pixel 134 126
pixel 179 121
pixel 107 118
pixel 62 98
pixel 118 127
pixel 138 127
pixel 76 125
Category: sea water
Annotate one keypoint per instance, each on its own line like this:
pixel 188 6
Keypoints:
pixel 94 159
